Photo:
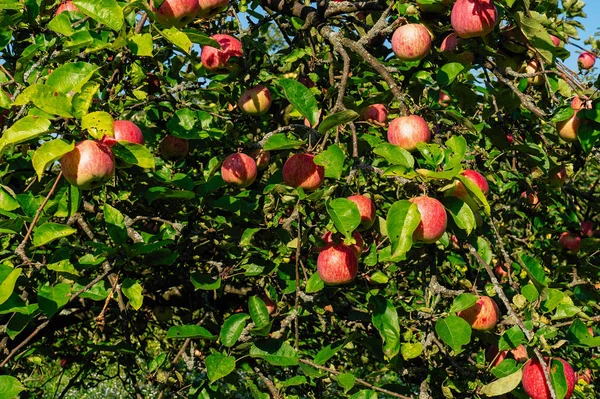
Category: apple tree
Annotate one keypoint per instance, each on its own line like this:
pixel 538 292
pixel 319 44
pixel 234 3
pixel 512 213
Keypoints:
pixel 286 199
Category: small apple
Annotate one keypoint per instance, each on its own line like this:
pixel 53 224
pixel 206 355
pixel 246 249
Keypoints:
pixel 460 191
pixel 256 100
pixel 411 42
pixel 586 60
pixel 215 59
pixel 66 6
pixel 569 128
pixel 534 380
pixel 585 376
pixel 444 99
pixel 239 169
pixel 587 228
pixel 174 148
pixel 337 264
pixel 555 40
pixel 570 242
pixel 262 158
pixel 300 170
pixel 520 353
pixel 210 8
pixel 531 68
pixel 124 131
pixel 366 208
pixel 482 316
pixel 176 13
pixel 433 219
pixel 510 139
pixel 271 306
pixel 558 176
pixel 501 271
pixel 473 18
pixel 375 112
pixel 531 198
pixel 89 165
pixel 450 43
pixel 407 131
pixel 357 247
pixel 495 356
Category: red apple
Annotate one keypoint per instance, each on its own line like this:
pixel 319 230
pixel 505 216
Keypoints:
pixel 577 104
pixel 586 60
pixel 366 207
pixel 407 131
pixel 124 131
pixel 357 247
pixel 450 43
pixel 473 18
pixel 433 219
pixel 558 176
pixel 587 228
pixel 176 13
pixel 215 59
pixel 255 101
pixel 585 376
pixel 534 380
pixel 173 148
pixel 494 356
pixel 262 158
pixel 570 241
pixel 66 6
pixel 482 316
pixel 531 198
pixel 460 191
pixel 411 42
pixel 444 99
pixel 210 8
pixel 337 264
pixel 271 306
pixel 300 170
pixel 89 165
pixel 520 353
pixel 500 271
pixel 375 112
pixel 555 40
pixel 239 169
pixel 510 139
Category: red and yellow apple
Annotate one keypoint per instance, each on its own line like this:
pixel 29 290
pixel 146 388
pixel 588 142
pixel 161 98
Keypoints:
pixel 176 13
pixel 255 101
pixel 337 264
pixel 450 43
pixel 239 169
pixel 215 59
pixel 357 247
pixel 534 379
pixel 124 131
pixel 300 170
pixel 407 131
pixel 366 208
pixel 460 191
pixel 375 112
pixel 433 219
pixel 66 6
pixel 586 60
pixel 570 242
pixel 210 8
pixel 89 165
pixel 411 42
pixel 473 18
pixel 483 315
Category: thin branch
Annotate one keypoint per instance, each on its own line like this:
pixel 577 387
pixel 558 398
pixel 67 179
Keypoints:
pixel 297 299
pixel 269 384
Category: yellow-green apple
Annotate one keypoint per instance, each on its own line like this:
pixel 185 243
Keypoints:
pixel 570 241
pixel 300 170
pixel 586 60
pixel 411 42
pixel 255 101
pixel 174 148
pixel 262 158
pixel 495 356
pixel 450 43
pixel 176 13
pixel 239 169
pixel 444 99
pixel 587 228
pixel 482 316
pixel 520 353
pixel 407 131
pixel 531 68
pixel 473 18
pixel 366 208
pixel 558 176
pixel 357 247
pixel 124 131
pixel 569 128
pixel 215 59
pixel 433 219
pixel 374 112
pixel 210 8
pixel 534 379
pixel 89 165
pixel 66 6
pixel 337 264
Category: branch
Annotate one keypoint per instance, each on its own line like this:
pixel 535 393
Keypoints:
pixel 268 383
pixel 297 299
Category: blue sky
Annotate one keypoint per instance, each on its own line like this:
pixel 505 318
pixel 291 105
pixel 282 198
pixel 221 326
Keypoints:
pixel 591 23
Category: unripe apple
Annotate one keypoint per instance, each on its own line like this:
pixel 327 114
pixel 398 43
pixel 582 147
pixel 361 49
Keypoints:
pixel 534 380
pixel 176 13
pixel 482 316
pixel 460 191
pixel 433 219
pixel 375 112
pixel 215 59
pixel 532 67
pixel 586 60
pixel 411 42
pixel 174 148
pixel 520 353
pixel 450 43
pixel 558 176
pixel 587 228
pixel 337 264
pixel 300 170
pixel 262 158
pixel 89 165
pixel 366 208
pixel 239 169
pixel 473 18
pixel 124 131
pixel 570 241
pixel 256 100
pixel 357 247
pixel 407 131
pixel 66 6
pixel 568 129
pixel 494 356
pixel 444 99
pixel 210 8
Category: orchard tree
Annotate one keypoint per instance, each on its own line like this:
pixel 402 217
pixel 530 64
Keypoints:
pixel 285 199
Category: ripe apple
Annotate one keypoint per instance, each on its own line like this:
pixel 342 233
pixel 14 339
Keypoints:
pixel 585 376
pixel 444 99
pixel 520 353
pixel 215 59
pixel 570 241
pixel 271 306
pixel 533 67
pixel 125 131
pixel 534 380
pixel 586 60
pixel 555 40
pixel 407 131
pixel 357 247
pixel 482 316
pixel 177 13
pixel 460 191
pixel 375 112
pixel 300 170
pixel 558 176
pixel 337 264
pixel 366 207
pixel 66 6
pixel 411 42
pixel 450 43
pixel 89 165
pixel 173 148
pixel 256 100
pixel 531 198
pixel 210 8
pixel 587 228
pixel 433 219
pixel 495 356
pixel 239 169
pixel 473 18
pixel 568 129
pixel 262 158
pixel 501 271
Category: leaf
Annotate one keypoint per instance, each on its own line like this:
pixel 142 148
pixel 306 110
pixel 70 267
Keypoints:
pixel 52 299
pixel 178 38
pixel 301 98
pixel 23 130
pixel 115 224
pixel 454 331
pixel 534 270
pixel 134 154
pixel 232 329
pixel 537 35
pixel 337 119
pixel 49 232
pixel 50 152
pixel 10 387
pixel 141 45
pixel 345 215
pixel 64 266
pixel 133 291
pixel 385 320
pixel 346 381
pixel 462 302
pixel 458 145
pixel 327 352
pixel 83 100
pixel 202 281
pixel 8 279
pixel 395 155
pixel 558 378
pixel 402 221
pixel 107 12
pixel 475 193
pixel 155 193
pixel 61 24
pixel 98 124
pixel 47 99
pixel 512 338
pixel 448 72
pixel 411 350
pixel 333 161
pixel 461 213
pixel 219 366
pixel 189 331
pixel 275 352
pixel 258 311
pixel 314 284
pixel 71 77
pixel 503 385
pixel 364 394
pixel 280 141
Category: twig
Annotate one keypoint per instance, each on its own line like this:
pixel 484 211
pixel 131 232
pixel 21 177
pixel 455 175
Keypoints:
pixel 297 299
pixel 268 383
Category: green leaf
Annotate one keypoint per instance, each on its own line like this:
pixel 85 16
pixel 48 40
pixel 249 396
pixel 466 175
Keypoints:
pixel 115 224
pixel 202 281
pixel 47 99
pixel 461 213
pixel 535 270
pixel 107 12
pixel 141 45
pixel 345 215
pixel 475 193
pixel 411 350
pixel 537 35
pixel 402 221
pixel 448 72
pixel 258 311
pixel 49 232
pixel 346 381
pixel 503 385
pixel 462 302
pixel 558 378
pixel 7 201
pixel 364 394
pixel 52 299
pixel 314 284
pixel 301 98
pixel 333 161
pixel 275 352
pixel 50 152
pixel 64 266
pixel 327 352
pixel 97 292
pixel 83 100
pixel 337 119
pixel 232 329
pixel 61 24
pixel 23 130
pixel 133 291
pixel 155 193
pixel 512 338
pixel 395 155
pixel 454 331
pixel 189 331
pixel 8 279
pixel 530 293
pixel 219 366
pixel 443 175
pixel 178 38
pixel 10 387
pixel 98 124
pixel 458 145
pixel 385 320
pixel 134 154
pixel 281 141
pixel 71 77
